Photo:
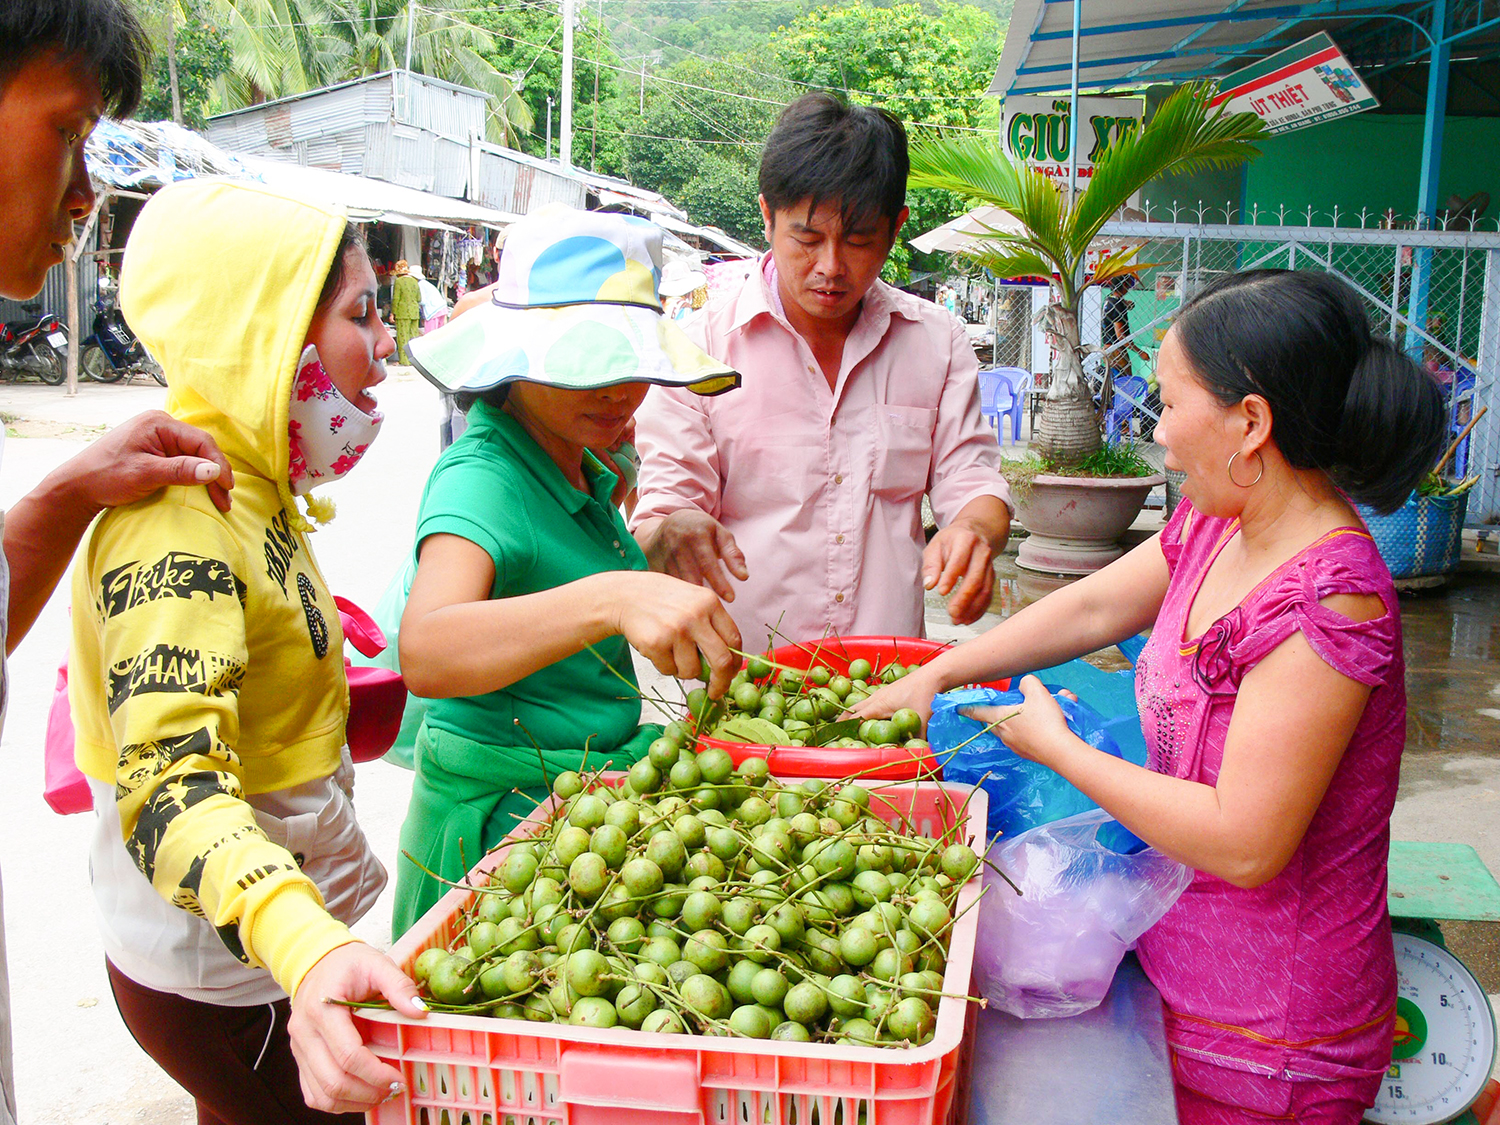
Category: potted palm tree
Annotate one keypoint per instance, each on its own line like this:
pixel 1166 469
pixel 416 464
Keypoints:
pixel 1075 500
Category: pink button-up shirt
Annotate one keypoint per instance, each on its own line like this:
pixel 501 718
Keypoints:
pixel 821 488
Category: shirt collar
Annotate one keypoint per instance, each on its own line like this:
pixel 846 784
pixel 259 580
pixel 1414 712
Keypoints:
pixel 758 297
pixel 512 436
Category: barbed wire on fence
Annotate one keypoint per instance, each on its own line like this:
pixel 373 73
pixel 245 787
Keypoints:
pixel 1204 213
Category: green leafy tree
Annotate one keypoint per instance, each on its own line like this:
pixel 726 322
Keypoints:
pixel 699 139
pixel 283 47
pixel 201 54
pixel 1185 135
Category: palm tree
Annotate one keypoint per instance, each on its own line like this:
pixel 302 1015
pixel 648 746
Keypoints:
pixel 284 47
pixel 1186 134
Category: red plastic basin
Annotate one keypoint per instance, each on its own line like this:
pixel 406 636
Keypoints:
pixel 879 763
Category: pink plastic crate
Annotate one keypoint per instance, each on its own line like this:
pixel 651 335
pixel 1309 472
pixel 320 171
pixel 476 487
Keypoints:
pixel 476 1070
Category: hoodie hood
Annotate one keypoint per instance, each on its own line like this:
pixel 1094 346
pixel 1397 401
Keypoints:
pixel 220 281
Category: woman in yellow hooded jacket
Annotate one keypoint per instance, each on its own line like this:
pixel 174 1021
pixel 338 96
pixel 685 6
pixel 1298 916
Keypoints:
pixel 208 688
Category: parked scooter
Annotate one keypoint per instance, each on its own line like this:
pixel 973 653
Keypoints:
pixel 112 352
pixel 34 346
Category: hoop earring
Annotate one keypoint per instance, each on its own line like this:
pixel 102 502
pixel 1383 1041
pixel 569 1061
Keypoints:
pixel 1230 469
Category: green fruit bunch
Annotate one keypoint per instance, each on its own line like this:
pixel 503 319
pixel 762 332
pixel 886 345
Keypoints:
pixel 771 705
pixel 731 904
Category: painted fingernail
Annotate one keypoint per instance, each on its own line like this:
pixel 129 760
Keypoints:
pixel 418 1002
pixel 206 471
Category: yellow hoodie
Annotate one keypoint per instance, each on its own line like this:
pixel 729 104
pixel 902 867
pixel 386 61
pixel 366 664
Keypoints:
pixel 207 659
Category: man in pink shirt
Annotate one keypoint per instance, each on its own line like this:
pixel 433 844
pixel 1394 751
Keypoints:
pixel 806 484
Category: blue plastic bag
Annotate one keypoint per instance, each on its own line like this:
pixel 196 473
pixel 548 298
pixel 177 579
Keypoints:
pixel 1023 794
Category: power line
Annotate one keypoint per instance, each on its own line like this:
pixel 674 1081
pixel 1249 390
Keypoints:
pixel 704 89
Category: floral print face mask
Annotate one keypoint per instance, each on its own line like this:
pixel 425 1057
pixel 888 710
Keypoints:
pixel 329 433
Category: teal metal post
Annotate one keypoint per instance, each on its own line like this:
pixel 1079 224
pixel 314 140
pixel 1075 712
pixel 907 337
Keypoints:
pixel 1432 163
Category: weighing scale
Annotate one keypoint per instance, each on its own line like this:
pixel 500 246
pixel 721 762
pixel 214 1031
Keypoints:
pixel 1445 1044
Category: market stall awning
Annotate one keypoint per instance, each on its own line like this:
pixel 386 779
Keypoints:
pixel 728 247
pixel 1124 44
pixel 959 234
pixel 368 200
pixel 152 154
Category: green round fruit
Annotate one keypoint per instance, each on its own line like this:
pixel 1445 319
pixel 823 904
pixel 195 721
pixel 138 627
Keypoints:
pixel 762 943
pixel 663 1022
pixel 588 875
pixel 627 934
pixel 666 851
pixel 663 753
pixel 567 784
pixel 908 723
pixel 805 1003
pixel 709 950
pixel 587 811
pixel 609 843
pixel 706 996
pixel 634 1003
pixel 790 1031
pixel 768 987
pixel 715 765
pixel 593 1011
pixel 701 910
pixel 426 961
pixel 959 862
pixel 448 984
pixel 750 1021
pixel 860 669
pixel 747 698
pixel 644 777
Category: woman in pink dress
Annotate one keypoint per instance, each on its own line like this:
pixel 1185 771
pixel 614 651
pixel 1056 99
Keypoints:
pixel 1271 693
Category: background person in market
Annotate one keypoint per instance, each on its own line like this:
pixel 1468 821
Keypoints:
pixel 1272 693
pixel 406 308
pixel 207 682
pixel 798 497
pixel 63 64
pixel 529 591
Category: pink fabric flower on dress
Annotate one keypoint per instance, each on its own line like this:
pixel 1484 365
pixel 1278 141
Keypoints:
pixel 1214 668
pixel 336 423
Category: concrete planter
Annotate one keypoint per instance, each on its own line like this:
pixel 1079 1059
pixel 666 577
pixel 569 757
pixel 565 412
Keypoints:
pixel 1076 522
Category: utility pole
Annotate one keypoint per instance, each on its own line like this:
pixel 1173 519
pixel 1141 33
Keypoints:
pixel 643 85
pixel 410 25
pixel 594 125
pixel 565 146
pixel 549 126
pixel 172 61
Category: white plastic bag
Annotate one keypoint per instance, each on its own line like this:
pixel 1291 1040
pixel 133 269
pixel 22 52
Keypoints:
pixel 1053 949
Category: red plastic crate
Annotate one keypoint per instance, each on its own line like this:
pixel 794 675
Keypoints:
pixel 477 1070
pixel 879 763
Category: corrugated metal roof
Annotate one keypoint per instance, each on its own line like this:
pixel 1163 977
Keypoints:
pixel 1125 44
pixel 366 198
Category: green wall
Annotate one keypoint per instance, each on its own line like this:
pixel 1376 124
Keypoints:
pixel 1370 160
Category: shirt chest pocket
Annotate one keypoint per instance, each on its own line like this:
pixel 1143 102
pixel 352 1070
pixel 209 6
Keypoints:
pixel 903 451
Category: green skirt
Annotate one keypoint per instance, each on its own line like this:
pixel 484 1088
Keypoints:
pixel 467 797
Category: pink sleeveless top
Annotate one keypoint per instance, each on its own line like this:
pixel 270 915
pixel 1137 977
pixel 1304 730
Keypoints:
pixel 1294 979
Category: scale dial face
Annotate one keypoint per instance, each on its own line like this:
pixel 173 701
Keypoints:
pixel 1445 1038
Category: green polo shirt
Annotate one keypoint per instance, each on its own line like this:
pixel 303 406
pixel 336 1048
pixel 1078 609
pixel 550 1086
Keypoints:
pixel 497 488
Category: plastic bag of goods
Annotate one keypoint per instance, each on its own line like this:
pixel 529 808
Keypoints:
pixel 1023 794
pixel 1053 949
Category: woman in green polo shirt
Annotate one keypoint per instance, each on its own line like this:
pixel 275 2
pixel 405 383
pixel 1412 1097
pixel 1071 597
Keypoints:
pixel 529 590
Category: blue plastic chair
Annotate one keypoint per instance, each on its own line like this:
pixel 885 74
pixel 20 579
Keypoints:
pixel 1021 381
pixel 993 385
pixel 1463 388
pixel 1130 392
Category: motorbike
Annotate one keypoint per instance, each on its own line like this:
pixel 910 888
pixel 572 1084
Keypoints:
pixel 34 346
pixel 112 352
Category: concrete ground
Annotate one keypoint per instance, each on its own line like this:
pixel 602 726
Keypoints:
pixel 76 1063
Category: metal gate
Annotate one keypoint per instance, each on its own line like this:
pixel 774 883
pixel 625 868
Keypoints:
pixel 1436 294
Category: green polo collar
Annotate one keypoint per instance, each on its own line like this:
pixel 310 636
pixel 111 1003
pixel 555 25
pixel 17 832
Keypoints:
pixel 511 435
